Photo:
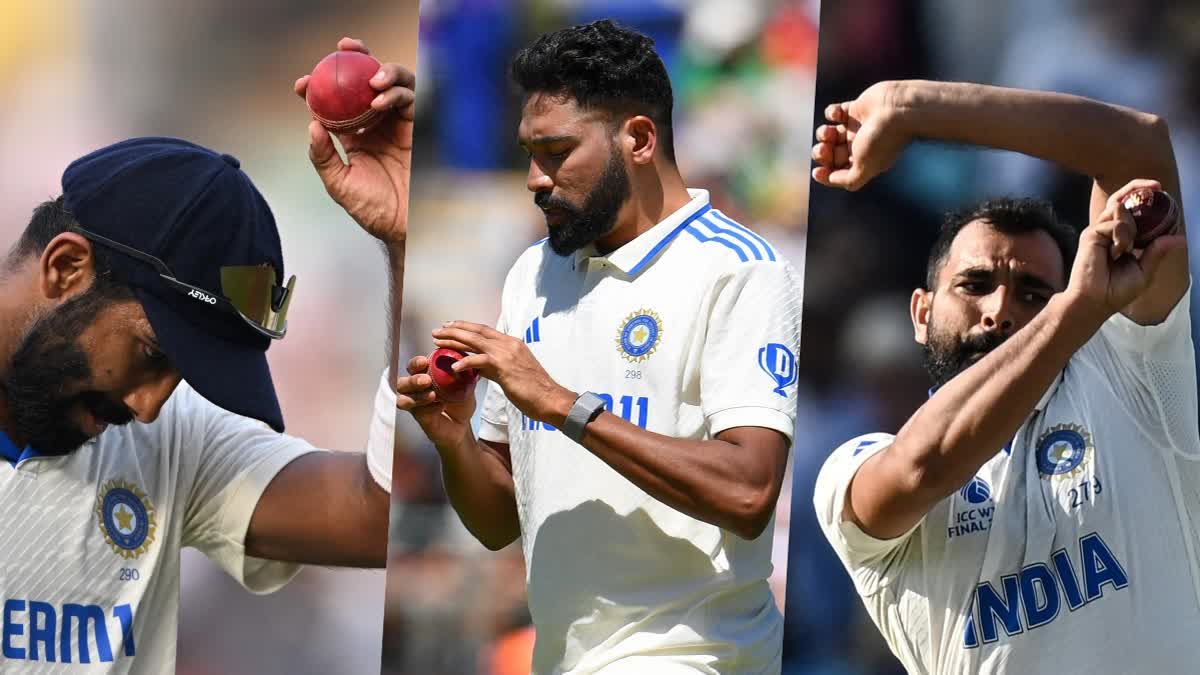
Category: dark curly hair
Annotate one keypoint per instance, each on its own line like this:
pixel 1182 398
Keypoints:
pixel 601 66
pixel 1007 215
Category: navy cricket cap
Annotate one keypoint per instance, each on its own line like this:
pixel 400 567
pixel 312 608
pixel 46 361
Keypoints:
pixel 197 212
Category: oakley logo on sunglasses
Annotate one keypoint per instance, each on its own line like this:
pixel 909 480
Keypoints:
pixel 204 297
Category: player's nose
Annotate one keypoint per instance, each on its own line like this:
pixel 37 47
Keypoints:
pixel 537 180
pixel 997 314
pixel 147 399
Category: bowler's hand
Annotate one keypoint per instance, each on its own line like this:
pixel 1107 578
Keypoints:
pixel 1108 273
pixel 445 423
pixel 373 187
pixel 862 140
pixel 508 362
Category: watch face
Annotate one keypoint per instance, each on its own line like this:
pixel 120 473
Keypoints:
pixel 595 404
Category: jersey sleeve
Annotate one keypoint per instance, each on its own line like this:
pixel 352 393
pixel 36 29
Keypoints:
pixel 748 367
pixel 234 458
pixel 493 416
pixel 493 419
pixel 1170 340
pixel 865 557
pixel 1153 369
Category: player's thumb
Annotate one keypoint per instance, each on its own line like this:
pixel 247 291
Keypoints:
pixel 849 178
pixel 323 154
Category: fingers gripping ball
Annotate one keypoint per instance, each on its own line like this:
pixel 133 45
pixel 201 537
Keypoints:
pixel 449 385
pixel 1154 213
pixel 339 92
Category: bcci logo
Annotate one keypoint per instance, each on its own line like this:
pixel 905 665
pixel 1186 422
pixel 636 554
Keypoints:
pixel 779 362
pixel 126 518
pixel 1062 450
pixel 639 335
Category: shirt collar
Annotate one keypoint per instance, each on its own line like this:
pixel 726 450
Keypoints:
pixel 10 452
pixel 640 253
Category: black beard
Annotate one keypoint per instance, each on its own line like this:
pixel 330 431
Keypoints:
pixel 44 365
pixel 947 356
pixel 598 215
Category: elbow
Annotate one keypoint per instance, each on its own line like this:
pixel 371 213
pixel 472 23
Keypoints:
pixel 753 511
pixel 1157 149
pixel 493 535
pixel 1160 135
pixel 1150 154
pixel 926 472
pixel 497 540
pixel 493 544
pixel 1158 127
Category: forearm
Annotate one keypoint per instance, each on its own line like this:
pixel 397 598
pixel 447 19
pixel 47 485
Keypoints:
pixel 395 252
pixel 324 508
pixel 1110 143
pixel 480 487
pixel 967 421
pixel 715 481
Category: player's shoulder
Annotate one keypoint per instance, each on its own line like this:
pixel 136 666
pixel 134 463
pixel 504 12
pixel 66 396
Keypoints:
pixel 184 403
pixel 866 444
pixel 537 268
pixel 179 419
pixel 533 260
pixel 841 464
pixel 187 412
pixel 722 244
pixel 534 254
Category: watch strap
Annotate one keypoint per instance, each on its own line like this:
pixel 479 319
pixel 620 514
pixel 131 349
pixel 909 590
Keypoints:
pixel 586 408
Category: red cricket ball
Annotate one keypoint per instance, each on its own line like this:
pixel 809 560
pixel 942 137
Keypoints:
pixel 1154 213
pixel 339 92
pixel 449 385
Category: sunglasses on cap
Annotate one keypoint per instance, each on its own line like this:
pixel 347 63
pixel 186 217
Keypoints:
pixel 250 290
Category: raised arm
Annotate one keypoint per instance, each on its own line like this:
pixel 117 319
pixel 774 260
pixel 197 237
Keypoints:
pixel 326 507
pixel 1111 144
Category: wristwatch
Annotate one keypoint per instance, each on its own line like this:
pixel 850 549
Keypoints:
pixel 587 407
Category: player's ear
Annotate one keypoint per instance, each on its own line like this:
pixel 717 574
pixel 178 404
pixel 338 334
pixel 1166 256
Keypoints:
pixel 919 309
pixel 67 267
pixel 641 137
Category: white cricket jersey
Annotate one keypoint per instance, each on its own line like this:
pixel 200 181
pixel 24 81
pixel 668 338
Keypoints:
pixel 690 329
pixel 1074 549
pixel 89 554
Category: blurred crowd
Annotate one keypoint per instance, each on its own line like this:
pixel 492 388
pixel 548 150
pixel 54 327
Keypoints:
pixel 80 74
pixel 743 76
pixel 867 251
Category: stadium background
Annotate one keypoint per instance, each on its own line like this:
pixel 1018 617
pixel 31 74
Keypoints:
pixel 79 74
pixel 867 251
pixel 743 75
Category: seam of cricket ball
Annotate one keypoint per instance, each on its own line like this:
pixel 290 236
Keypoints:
pixel 1168 223
pixel 439 390
pixel 349 124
